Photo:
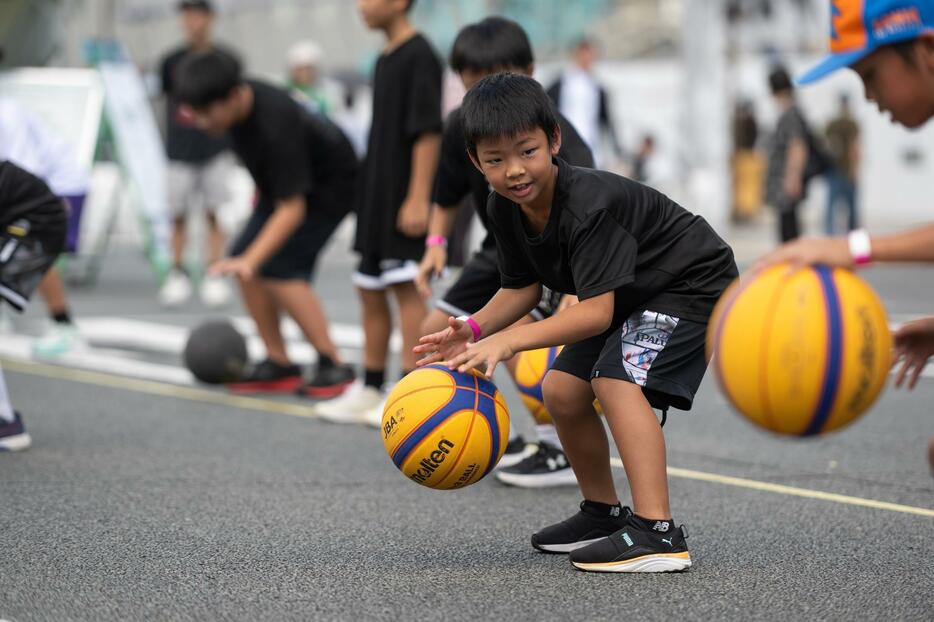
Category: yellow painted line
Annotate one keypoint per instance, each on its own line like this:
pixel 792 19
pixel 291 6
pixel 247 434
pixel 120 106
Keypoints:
pixel 164 389
pixel 793 491
pixel 297 410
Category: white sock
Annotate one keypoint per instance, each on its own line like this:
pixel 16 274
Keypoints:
pixel 549 434
pixel 6 408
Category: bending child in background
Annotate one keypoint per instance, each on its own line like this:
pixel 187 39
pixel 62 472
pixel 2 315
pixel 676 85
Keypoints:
pixel 489 46
pixel 33 228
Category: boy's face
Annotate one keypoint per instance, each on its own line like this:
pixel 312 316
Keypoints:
pixel 904 90
pixel 217 117
pixel 518 167
pixel 380 13
pixel 471 76
pixel 196 24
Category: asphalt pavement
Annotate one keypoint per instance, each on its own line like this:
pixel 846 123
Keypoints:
pixel 142 499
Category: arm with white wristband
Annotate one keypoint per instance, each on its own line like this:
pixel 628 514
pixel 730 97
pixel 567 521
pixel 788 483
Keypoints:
pixel 858 248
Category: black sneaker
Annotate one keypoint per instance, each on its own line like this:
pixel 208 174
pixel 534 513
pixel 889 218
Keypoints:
pixel 586 527
pixel 327 382
pixel 637 547
pixel 269 377
pixel 517 450
pixel 13 435
pixel 547 467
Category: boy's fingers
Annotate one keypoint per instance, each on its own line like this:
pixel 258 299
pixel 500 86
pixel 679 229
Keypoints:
pixel 914 377
pixel 901 373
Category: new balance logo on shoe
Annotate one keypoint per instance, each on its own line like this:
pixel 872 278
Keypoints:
pixel 614 511
pixel 661 526
pixel 668 540
pixel 626 539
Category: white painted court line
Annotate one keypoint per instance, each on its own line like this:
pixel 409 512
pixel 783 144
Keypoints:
pixel 794 491
pixel 170 339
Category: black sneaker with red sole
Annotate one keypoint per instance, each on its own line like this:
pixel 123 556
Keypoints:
pixel 269 377
pixel 327 382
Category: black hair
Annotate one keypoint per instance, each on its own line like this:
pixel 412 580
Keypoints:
pixel 491 44
pixel 780 81
pixel 503 105
pixel 203 78
pixel 195 5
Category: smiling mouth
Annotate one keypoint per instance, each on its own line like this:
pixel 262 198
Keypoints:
pixel 520 188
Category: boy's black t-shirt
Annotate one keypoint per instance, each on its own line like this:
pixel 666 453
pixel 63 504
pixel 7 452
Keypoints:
pixel 406 105
pixel 609 233
pixel 457 176
pixel 185 142
pixel 23 195
pixel 289 150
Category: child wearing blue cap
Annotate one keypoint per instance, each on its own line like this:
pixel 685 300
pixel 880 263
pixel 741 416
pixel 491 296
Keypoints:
pixel 890 45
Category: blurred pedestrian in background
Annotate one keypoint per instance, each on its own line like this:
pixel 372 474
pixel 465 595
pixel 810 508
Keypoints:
pixel 30 144
pixel 842 136
pixel 306 81
pixel 788 154
pixel 199 169
pixel 583 100
pixel 748 165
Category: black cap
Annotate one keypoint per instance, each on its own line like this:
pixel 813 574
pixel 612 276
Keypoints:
pixel 196 5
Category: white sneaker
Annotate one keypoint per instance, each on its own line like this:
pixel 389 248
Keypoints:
pixel 176 289
pixel 352 406
pixel 374 416
pixel 215 292
pixel 59 339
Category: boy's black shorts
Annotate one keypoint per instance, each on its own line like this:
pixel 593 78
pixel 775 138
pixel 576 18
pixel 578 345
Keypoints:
pixel 662 354
pixel 478 283
pixel 28 247
pixel 297 257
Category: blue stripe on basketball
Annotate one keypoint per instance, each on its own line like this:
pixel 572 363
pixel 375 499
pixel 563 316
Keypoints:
pixel 487 409
pixel 463 399
pixel 834 351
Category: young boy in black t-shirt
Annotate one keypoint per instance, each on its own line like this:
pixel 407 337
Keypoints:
pixel 396 184
pixel 304 169
pixel 480 49
pixel 33 227
pixel 647 273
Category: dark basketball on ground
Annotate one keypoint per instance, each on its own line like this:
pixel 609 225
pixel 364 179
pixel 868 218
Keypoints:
pixel 216 352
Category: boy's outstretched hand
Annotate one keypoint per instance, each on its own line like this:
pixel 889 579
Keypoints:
pixel 486 353
pixel 444 345
pixel 833 252
pixel 914 345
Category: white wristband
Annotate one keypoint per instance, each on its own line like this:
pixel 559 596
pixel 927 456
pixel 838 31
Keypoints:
pixel 860 246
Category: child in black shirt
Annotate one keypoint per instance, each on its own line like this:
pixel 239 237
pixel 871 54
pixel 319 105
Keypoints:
pixel 304 169
pixel 33 225
pixel 647 273
pixel 395 186
pixel 488 46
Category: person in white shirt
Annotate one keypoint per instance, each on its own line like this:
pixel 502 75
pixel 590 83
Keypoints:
pixel 29 143
pixel 581 98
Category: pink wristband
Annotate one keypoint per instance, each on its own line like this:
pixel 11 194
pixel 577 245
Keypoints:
pixel 436 240
pixel 474 327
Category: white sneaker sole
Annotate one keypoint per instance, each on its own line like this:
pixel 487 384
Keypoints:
pixel 659 562
pixel 564 548
pixel 564 477
pixel 509 460
pixel 17 442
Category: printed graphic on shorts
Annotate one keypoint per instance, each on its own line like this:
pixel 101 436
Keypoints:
pixel 645 334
